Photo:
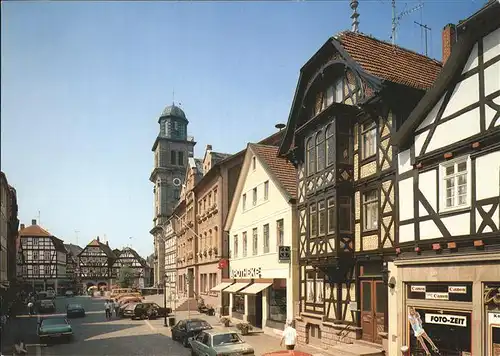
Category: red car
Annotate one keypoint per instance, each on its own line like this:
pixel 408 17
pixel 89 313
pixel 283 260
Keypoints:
pixel 286 352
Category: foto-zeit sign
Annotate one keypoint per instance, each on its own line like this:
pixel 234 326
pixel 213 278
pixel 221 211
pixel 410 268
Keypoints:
pixel 254 272
pixel 446 319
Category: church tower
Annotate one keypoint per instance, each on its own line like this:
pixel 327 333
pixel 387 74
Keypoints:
pixel 171 149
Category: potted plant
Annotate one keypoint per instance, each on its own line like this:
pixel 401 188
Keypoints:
pixel 225 321
pixel 244 328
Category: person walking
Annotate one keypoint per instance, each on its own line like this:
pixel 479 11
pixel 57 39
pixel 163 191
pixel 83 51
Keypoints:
pixel 107 308
pixel 289 336
pixel 31 307
pixel 117 308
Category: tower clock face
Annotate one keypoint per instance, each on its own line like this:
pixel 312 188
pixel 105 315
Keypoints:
pixel 177 182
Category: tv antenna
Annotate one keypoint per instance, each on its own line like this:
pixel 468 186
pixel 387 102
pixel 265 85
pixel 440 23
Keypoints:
pixel 424 29
pixel 76 233
pixel 397 18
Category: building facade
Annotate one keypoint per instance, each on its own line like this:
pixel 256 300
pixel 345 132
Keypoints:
pixel 95 263
pixel 261 221
pixel 346 107
pixel 4 230
pixel 44 256
pixel 170 239
pixel 446 277
pixel 72 267
pixel 128 257
pixel 172 149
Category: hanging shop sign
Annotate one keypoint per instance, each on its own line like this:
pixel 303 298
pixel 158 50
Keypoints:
pixel 457 292
pixel 446 319
pixel 255 272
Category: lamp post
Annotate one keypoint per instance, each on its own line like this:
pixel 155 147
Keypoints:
pixel 167 280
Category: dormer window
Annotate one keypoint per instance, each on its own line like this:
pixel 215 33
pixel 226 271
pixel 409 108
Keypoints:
pixel 333 93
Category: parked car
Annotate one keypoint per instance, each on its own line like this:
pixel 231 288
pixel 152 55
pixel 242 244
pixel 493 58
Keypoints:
pixel 187 328
pixel 75 310
pixel 54 327
pixel 69 293
pixel 128 300
pixel 46 306
pixel 49 294
pixel 127 311
pixel 213 343
pixel 150 311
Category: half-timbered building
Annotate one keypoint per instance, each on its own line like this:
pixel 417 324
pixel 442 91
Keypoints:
pixel 448 269
pixel 96 265
pixel 128 257
pixel 72 268
pixel 351 96
pixel 44 264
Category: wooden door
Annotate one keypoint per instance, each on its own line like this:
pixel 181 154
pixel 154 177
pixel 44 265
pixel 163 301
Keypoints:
pixel 373 309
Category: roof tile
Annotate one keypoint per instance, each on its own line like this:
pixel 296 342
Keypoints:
pixel 34 230
pixel 390 62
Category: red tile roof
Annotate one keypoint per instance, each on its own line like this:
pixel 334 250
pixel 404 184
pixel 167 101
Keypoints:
pixel 390 62
pixel 281 168
pixel 34 230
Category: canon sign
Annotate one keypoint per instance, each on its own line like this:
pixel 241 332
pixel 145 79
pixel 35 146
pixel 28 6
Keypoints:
pixel 246 273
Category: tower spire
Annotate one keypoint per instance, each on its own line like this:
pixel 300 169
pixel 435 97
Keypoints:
pixel 173 96
pixel 355 15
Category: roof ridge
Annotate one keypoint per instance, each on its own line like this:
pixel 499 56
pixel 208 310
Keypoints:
pixel 397 47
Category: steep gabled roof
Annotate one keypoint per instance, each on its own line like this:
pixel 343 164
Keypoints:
pixel 282 171
pixel 218 156
pixel 73 249
pixel 138 257
pixel 104 247
pixel 34 231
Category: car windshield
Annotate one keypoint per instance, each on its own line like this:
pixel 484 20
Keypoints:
pixel 223 339
pixel 75 306
pixel 198 324
pixel 53 321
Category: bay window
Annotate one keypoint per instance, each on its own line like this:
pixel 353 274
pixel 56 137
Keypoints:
pixel 310 157
pixel 321 218
pixel 331 215
pixel 330 145
pixel 313 221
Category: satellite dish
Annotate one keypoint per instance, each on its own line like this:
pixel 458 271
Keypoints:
pixel 177 182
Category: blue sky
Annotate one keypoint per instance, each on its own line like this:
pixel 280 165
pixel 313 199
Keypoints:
pixel 83 84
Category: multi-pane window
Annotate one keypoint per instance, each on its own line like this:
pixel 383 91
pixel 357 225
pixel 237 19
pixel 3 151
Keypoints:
pixel 310 157
pixel 331 215
pixel 266 238
pixel 455 194
pixel 321 218
pixel 173 157
pixel 235 246
pixel 46 256
pixel 320 151
pixel 266 190
pixel 368 140
pixel 181 159
pixel 313 221
pixel 330 145
pixel 254 196
pixel 280 232
pixel 255 240
pixel 244 202
pixel 370 210
pixel 245 245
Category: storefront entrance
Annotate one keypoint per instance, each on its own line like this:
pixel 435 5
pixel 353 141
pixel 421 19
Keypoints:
pixel 258 310
pixel 373 309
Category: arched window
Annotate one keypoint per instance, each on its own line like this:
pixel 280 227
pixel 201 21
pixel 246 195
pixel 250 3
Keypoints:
pixel 310 157
pixel 330 145
pixel 320 151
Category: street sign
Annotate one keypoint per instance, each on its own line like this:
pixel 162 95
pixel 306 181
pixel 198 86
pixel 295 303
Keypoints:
pixel 284 253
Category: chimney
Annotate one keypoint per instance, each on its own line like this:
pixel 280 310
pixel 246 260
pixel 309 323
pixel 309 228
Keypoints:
pixel 23 226
pixel 33 222
pixel 449 38
pixel 98 239
pixel 107 244
pixel 209 147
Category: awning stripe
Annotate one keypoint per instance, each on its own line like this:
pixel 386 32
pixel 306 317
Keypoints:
pixel 236 287
pixel 255 288
pixel 221 286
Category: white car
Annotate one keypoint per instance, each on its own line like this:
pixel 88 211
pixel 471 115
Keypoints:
pixel 51 293
pixel 69 293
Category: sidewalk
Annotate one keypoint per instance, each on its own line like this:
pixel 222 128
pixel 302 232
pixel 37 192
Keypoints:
pixel 260 341
pixel 22 326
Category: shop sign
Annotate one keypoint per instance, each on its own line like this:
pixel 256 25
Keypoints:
pixel 457 289
pixel 418 289
pixel 494 318
pixel 446 319
pixel 255 272
pixel 437 296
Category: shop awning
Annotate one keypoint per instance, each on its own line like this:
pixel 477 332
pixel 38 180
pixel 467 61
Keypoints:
pixel 221 286
pixel 236 287
pixel 255 288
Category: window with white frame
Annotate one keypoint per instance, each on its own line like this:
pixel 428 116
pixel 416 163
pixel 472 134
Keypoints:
pixel 244 202
pixel 370 210
pixel 321 218
pixel 368 140
pixel 310 157
pixel 244 247
pixel 313 221
pixel 255 240
pixel 280 232
pixel 265 233
pixel 235 246
pixel 331 215
pixel 330 145
pixel 320 151
pixel 455 184
pixel 266 190
pixel 254 195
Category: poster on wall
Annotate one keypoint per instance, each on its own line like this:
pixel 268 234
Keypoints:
pixel 439 332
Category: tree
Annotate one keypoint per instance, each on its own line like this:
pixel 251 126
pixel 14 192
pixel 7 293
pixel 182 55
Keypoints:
pixel 126 277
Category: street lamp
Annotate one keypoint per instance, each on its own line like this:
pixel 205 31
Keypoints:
pixel 167 280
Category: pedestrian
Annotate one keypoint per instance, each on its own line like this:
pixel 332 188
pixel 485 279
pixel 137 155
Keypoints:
pixel 117 309
pixel 289 336
pixel 31 307
pixel 107 308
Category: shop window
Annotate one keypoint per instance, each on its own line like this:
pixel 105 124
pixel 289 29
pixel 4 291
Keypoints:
pixel 239 303
pixel 277 304
pixel 439 331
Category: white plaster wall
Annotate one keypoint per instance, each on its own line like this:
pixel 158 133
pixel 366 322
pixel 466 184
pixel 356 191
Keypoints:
pixel 465 93
pixel 406 233
pixel 429 230
pixel 455 130
pixel 404 162
pixel 431 117
pixel 491 45
pixel 488 175
pixel 419 142
pixel 406 199
pixel 457 225
pixel 427 185
pixel 472 62
pixel 489 115
pixel 492 78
